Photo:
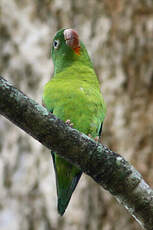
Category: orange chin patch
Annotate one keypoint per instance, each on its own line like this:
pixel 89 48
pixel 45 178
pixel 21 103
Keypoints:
pixel 77 50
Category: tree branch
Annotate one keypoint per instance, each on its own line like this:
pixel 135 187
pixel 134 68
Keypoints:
pixel 107 168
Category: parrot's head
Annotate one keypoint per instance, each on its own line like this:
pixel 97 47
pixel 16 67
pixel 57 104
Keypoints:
pixel 67 49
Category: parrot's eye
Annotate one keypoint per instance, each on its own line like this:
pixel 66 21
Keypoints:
pixel 56 44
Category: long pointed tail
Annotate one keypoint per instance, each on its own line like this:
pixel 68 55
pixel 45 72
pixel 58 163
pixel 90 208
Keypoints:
pixel 65 195
pixel 67 177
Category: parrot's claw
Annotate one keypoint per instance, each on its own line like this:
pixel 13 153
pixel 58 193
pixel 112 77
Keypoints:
pixel 68 122
pixel 97 139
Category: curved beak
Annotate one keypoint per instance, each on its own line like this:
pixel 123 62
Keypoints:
pixel 72 40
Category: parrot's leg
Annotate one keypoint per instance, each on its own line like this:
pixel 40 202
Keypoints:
pixel 97 138
pixel 68 122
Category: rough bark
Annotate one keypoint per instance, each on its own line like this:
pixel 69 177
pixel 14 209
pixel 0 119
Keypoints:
pixel 107 168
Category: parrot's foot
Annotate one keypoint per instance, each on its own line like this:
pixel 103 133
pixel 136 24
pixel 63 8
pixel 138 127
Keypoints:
pixel 68 122
pixel 97 139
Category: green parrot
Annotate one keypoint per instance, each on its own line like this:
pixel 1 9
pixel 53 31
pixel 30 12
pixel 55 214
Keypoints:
pixel 73 95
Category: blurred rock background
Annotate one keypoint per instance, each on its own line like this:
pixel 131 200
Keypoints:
pixel 119 37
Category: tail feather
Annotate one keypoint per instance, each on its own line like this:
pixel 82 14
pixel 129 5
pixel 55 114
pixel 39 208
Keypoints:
pixel 65 195
pixel 67 177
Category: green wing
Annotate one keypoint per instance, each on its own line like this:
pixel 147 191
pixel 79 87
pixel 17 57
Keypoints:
pixel 79 100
